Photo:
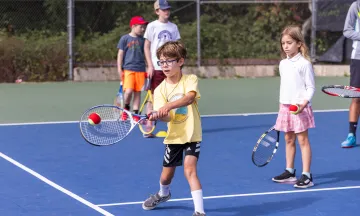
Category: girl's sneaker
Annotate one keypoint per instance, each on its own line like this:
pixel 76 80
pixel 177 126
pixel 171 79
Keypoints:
pixel 285 177
pixel 304 182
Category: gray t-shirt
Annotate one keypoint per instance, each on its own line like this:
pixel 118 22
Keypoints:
pixel 352 28
pixel 133 48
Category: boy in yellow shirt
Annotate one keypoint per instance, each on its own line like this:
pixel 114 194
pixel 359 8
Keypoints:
pixel 175 102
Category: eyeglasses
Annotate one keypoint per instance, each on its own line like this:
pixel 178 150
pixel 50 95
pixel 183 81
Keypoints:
pixel 167 62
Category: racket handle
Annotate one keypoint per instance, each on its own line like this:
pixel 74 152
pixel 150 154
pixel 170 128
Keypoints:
pixel 120 88
pixel 146 85
pixel 150 114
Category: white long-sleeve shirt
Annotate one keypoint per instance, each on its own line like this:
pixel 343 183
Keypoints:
pixel 297 81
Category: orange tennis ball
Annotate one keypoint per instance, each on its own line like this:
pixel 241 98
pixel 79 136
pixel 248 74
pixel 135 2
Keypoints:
pixel 294 109
pixel 94 119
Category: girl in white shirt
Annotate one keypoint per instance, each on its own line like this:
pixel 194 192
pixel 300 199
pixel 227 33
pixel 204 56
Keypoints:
pixel 297 87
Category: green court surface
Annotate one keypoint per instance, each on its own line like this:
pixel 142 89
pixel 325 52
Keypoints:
pixel 65 101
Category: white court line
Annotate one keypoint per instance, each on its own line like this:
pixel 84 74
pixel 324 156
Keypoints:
pixel 242 195
pixel 203 116
pixel 47 181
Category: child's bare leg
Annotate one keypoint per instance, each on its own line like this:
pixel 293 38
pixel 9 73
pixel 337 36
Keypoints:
pixel 306 179
pixel 164 193
pixel 305 150
pixel 290 150
pixel 127 98
pixel 165 180
pixel 190 172
pixel 136 101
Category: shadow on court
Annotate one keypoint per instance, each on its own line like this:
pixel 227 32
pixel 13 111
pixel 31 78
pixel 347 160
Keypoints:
pixel 176 207
pixel 263 208
pixel 337 177
pixel 224 129
pixel 267 208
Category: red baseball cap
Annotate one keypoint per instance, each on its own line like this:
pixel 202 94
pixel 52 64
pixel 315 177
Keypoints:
pixel 138 20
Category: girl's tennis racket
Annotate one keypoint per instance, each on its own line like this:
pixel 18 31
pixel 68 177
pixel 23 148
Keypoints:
pixel 111 129
pixel 341 91
pixel 266 147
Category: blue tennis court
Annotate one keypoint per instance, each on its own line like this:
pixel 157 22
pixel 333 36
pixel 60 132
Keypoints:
pixel 48 169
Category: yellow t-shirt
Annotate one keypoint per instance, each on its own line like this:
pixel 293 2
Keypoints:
pixel 185 124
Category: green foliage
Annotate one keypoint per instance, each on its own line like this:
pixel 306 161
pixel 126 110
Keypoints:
pixel 253 34
pixel 236 31
pixel 35 56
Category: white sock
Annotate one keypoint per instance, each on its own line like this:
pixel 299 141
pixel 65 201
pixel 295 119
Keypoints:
pixel 198 200
pixel 307 174
pixel 291 170
pixel 164 190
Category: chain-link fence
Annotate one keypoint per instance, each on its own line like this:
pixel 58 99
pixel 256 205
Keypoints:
pixel 44 39
pixel 33 38
pixel 215 32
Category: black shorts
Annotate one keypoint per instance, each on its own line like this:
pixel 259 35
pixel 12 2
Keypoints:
pixel 355 73
pixel 174 153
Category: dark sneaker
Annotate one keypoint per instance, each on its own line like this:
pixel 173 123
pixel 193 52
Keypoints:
pixel 154 200
pixel 285 177
pixel 198 214
pixel 304 182
pixel 148 135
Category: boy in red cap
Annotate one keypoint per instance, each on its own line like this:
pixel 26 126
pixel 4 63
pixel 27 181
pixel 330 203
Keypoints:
pixel 131 63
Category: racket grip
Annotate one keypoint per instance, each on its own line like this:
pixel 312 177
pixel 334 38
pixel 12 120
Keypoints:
pixel 150 114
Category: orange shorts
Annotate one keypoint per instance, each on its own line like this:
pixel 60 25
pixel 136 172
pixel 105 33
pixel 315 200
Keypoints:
pixel 134 80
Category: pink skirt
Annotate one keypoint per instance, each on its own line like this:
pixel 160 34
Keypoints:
pixel 287 122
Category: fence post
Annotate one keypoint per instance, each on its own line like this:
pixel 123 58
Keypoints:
pixel 198 33
pixel 313 30
pixel 70 31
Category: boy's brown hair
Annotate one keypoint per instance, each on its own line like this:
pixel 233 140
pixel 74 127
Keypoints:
pixel 172 49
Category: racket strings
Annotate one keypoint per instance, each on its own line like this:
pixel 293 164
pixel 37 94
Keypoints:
pixel 146 125
pixel 266 148
pixel 111 129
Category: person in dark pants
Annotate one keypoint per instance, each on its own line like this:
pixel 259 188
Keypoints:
pixel 351 31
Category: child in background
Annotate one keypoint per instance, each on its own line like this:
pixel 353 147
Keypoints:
pixel 297 87
pixel 131 64
pixel 157 33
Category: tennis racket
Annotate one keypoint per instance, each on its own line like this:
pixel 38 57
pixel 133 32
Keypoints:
pixel 111 128
pixel 341 91
pixel 266 147
pixel 145 126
